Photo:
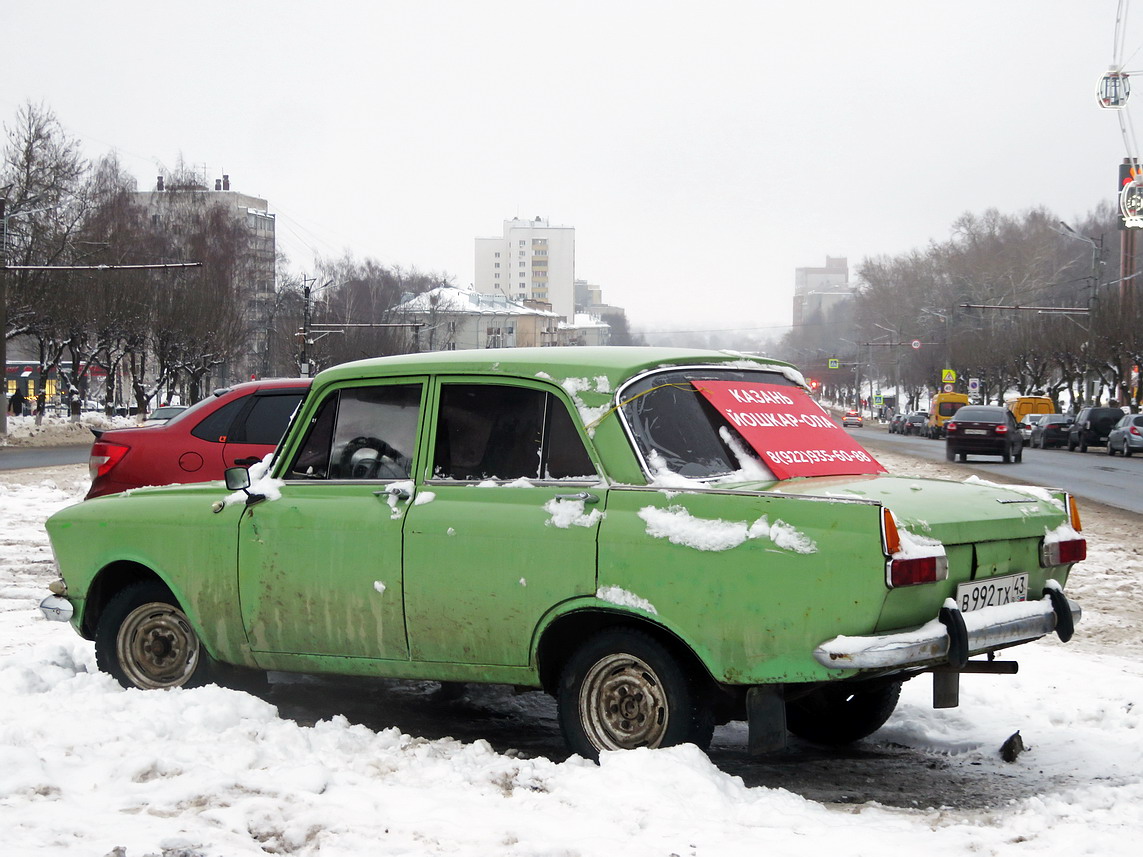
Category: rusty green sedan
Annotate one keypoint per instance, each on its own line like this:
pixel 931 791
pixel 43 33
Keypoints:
pixel 662 539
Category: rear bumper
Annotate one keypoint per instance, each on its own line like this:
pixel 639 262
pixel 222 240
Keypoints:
pixel 942 641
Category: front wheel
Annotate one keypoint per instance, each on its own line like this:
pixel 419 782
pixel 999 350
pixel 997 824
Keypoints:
pixel 621 690
pixel 1126 449
pixel 841 713
pixel 144 640
pixel 1110 449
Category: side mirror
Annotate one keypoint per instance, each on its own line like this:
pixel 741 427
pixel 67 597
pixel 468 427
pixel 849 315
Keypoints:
pixel 237 478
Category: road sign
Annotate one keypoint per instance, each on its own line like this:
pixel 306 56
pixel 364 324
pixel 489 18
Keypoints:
pixel 948 388
pixel 879 400
pixel 974 385
pixel 834 363
pixel 916 343
pixel 948 376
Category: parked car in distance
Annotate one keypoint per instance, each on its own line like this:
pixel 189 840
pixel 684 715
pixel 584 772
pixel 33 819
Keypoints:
pixel 1026 426
pixel 235 425
pixel 983 430
pixel 662 539
pixel 1051 430
pixel 852 418
pixel 915 423
pixel 1126 436
pixel 1091 427
pixel 161 415
pixel 896 423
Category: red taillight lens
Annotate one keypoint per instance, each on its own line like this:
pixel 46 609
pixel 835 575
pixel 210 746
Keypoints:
pixel 1002 429
pixel 950 426
pixel 1065 552
pixel 925 569
pixel 104 456
pixel 1135 431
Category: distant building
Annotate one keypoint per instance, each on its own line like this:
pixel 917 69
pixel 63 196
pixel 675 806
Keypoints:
pixel 818 290
pixel 531 261
pixel 256 286
pixel 456 319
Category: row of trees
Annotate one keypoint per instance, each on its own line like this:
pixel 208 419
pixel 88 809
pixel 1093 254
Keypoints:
pixel 1022 302
pixel 96 283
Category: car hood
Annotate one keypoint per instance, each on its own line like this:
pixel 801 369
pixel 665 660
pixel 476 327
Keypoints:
pixel 953 512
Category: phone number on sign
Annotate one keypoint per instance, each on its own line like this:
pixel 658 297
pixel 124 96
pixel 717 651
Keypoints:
pixel 816 456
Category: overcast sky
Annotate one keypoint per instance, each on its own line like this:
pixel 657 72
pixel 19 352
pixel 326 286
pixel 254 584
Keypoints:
pixel 702 151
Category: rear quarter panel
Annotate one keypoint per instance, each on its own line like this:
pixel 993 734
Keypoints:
pixel 751 582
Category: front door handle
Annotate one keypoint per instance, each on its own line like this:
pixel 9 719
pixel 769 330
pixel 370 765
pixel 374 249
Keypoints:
pixel 246 462
pixel 400 493
pixel 585 496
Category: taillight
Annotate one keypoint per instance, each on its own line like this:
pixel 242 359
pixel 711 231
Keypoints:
pixel 1002 429
pixel 890 538
pixel 1135 431
pixel 1064 552
pixel 950 426
pixel 924 569
pixel 104 456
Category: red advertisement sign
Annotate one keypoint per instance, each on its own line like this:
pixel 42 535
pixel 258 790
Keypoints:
pixel 788 429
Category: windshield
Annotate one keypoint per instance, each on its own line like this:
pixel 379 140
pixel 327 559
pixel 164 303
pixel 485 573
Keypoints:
pixel 707 423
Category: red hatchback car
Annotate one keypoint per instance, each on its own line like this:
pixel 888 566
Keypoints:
pixel 235 426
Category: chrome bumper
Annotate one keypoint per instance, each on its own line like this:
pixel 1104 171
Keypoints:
pixel 954 636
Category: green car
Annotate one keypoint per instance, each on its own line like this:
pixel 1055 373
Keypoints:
pixel 663 539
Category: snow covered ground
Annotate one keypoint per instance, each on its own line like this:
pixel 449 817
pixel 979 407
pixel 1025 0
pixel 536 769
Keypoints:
pixel 89 768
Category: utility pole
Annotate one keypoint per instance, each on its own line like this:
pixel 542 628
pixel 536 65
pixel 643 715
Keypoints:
pixel 4 314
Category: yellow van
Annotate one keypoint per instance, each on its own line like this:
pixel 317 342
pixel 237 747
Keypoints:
pixel 1022 406
pixel 941 409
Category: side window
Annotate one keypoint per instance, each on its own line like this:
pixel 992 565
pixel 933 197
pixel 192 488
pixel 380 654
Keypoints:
pixel 489 431
pixel 216 426
pixel 267 419
pixel 362 433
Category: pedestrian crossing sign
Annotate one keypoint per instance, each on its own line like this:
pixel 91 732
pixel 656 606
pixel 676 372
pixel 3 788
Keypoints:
pixel 948 376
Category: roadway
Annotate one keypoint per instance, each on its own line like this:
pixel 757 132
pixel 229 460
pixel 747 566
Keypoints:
pixel 1094 475
pixel 20 457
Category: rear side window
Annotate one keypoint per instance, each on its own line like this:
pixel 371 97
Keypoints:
pixel 266 420
pixel 487 431
pixel 216 427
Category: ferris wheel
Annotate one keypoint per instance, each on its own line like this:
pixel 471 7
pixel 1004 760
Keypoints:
pixel 1113 92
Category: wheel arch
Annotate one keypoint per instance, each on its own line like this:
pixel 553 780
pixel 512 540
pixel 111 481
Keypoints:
pixel 565 632
pixel 112 579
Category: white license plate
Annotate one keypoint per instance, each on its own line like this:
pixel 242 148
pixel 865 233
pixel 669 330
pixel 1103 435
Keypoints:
pixel 976 431
pixel 991 592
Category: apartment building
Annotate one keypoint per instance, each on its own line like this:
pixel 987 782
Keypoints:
pixel 531 261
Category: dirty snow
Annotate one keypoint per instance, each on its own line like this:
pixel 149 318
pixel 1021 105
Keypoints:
pixel 680 527
pixel 86 767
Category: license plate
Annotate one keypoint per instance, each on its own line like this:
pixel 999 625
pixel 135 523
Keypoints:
pixel 992 592
pixel 976 431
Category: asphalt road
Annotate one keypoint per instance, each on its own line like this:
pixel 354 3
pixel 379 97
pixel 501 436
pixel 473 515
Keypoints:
pixel 19 457
pixel 1094 475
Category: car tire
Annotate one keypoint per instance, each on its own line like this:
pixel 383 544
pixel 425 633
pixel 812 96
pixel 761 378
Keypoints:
pixel 1071 445
pixel 841 713
pixel 622 689
pixel 963 456
pixel 1126 449
pixel 1110 448
pixel 950 453
pixel 145 641
pixel 1019 456
pixel 1006 456
pixel 1083 446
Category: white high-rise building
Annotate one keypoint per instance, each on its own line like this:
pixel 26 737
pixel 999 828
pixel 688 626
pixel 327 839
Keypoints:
pixel 531 261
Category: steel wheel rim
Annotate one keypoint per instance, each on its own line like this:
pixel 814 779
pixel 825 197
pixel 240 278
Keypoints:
pixel 622 704
pixel 156 646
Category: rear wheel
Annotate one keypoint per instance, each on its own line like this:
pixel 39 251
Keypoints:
pixel 950 453
pixel 145 640
pixel 1019 456
pixel 1006 456
pixel 622 689
pixel 842 713
pixel 1126 448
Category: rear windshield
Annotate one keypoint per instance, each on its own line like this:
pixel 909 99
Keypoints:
pixel 970 414
pixel 708 423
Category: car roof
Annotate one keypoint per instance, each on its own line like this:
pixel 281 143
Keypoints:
pixel 617 363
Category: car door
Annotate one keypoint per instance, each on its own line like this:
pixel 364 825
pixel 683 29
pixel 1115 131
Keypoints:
pixel 506 526
pixel 320 566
